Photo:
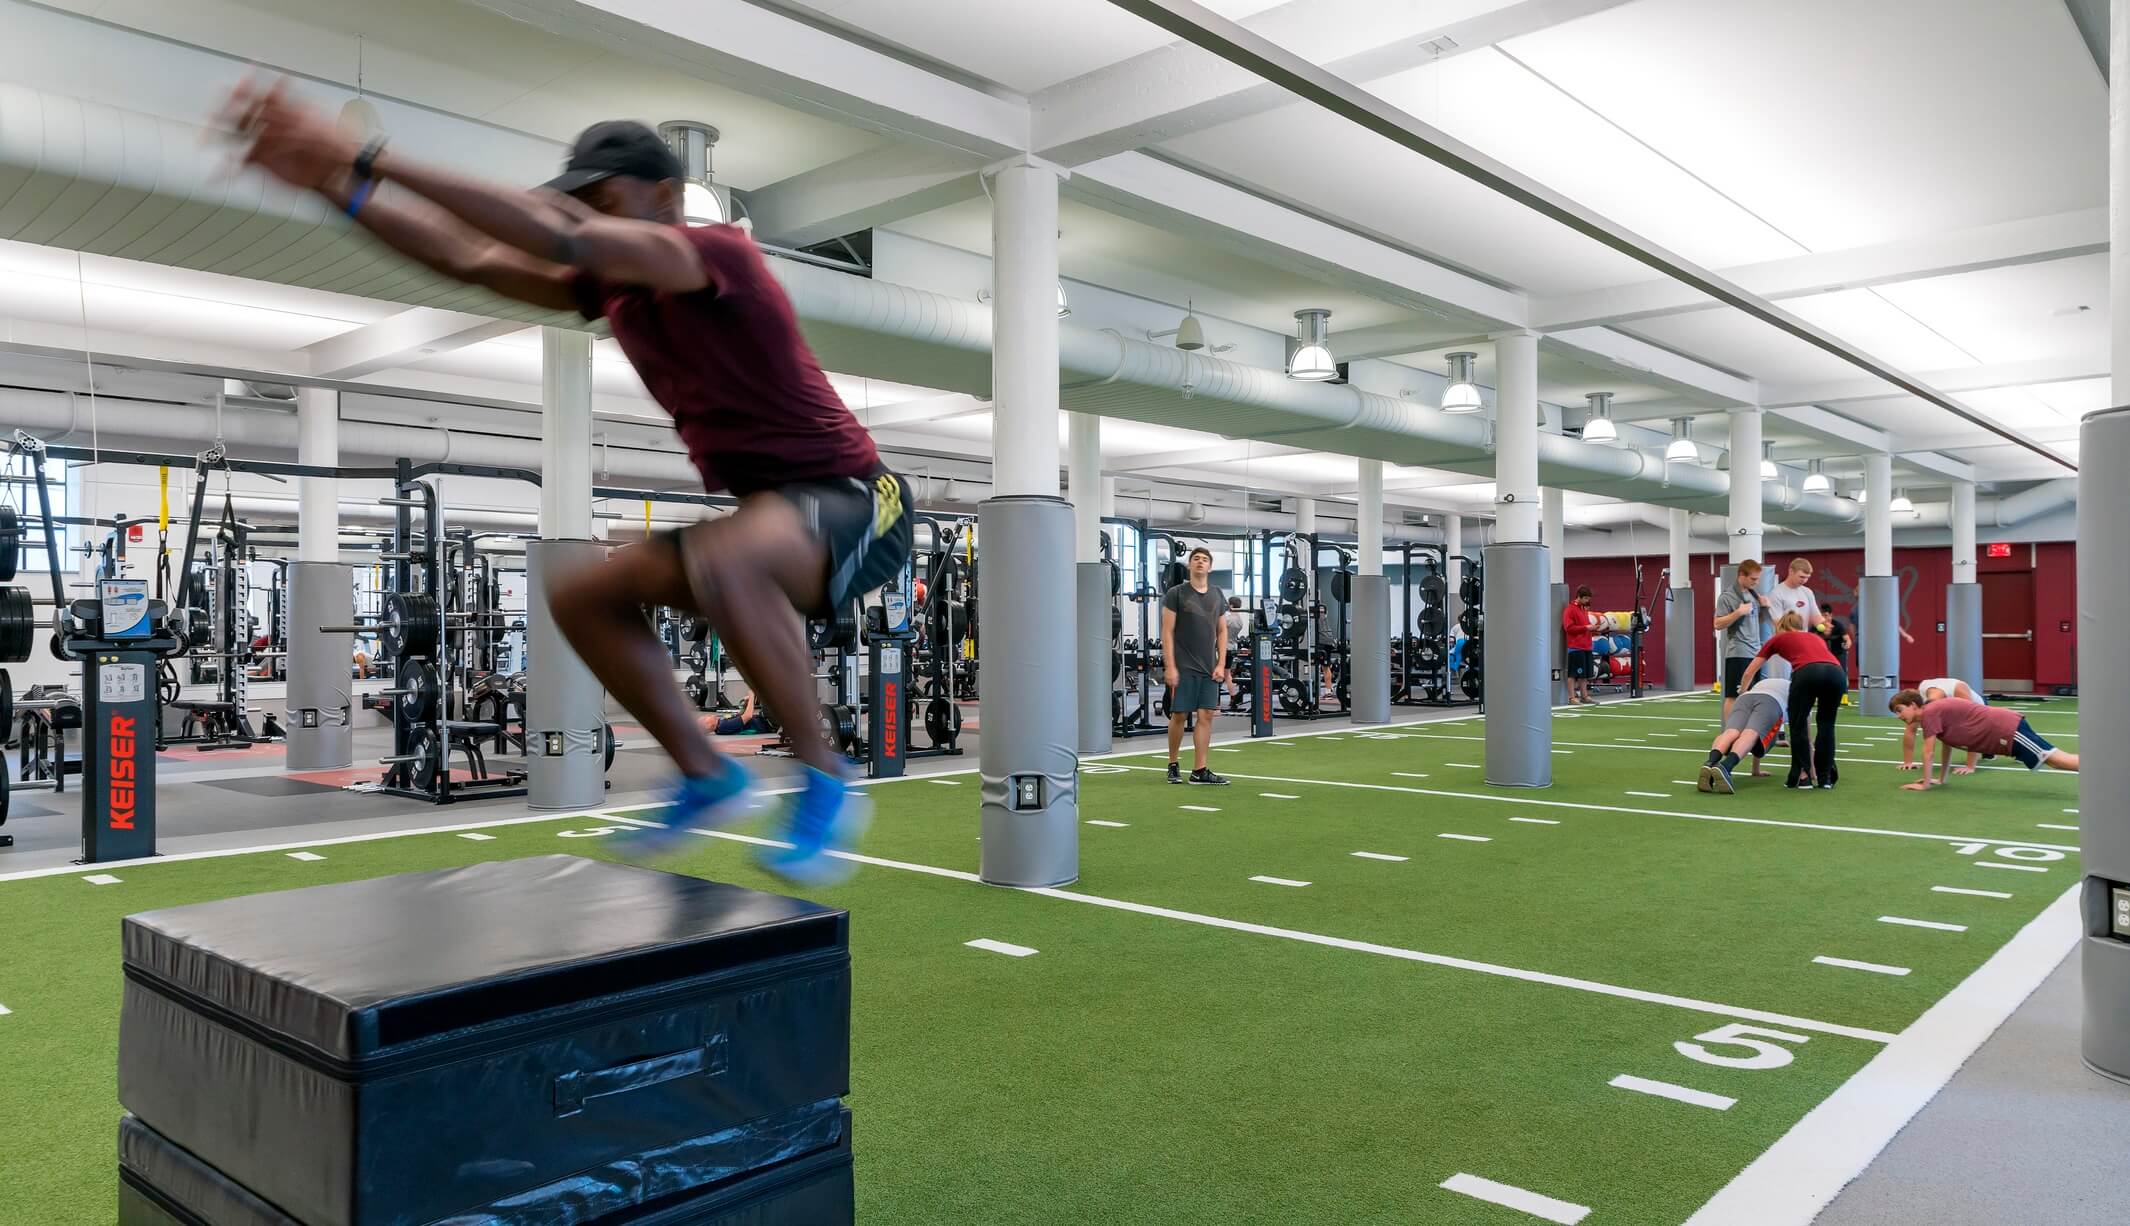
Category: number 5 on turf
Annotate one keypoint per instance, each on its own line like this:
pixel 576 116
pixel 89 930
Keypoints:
pixel 1738 1034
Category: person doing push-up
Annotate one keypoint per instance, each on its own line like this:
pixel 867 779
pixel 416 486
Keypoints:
pixel 1751 727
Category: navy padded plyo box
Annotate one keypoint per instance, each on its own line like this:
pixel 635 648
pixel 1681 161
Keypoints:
pixel 159 1184
pixel 393 1051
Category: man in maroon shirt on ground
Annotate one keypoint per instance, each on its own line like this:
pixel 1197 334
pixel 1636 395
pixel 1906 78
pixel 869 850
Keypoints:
pixel 1957 723
pixel 717 343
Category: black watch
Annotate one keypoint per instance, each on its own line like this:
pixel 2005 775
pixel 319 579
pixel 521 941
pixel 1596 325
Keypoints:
pixel 366 161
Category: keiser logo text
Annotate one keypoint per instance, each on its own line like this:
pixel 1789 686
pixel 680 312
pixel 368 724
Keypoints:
pixel 124 765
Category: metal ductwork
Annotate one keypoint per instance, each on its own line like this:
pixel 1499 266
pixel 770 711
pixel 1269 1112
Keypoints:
pixel 95 178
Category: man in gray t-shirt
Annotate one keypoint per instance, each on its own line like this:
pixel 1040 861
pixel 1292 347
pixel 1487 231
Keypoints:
pixel 1738 612
pixel 1194 653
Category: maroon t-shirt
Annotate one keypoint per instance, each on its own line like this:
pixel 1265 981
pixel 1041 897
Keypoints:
pixel 730 365
pixel 1970 725
pixel 1799 647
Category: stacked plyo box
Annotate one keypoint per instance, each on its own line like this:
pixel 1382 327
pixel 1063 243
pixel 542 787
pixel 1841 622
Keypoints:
pixel 552 1040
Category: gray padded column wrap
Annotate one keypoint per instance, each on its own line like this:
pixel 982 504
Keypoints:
pixel 1370 650
pixel 2104 706
pixel 1028 734
pixel 1519 689
pixel 1878 643
pixel 565 710
pixel 1095 603
pixel 321 693
pixel 1679 639
pixel 1963 633
pixel 1557 657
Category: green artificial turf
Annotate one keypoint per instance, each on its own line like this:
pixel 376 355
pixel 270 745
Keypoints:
pixel 1147 1068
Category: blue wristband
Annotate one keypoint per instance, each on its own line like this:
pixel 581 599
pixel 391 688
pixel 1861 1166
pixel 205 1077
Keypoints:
pixel 360 196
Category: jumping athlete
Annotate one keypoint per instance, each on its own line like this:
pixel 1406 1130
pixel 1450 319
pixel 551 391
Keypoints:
pixel 1957 723
pixel 1751 727
pixel 717 344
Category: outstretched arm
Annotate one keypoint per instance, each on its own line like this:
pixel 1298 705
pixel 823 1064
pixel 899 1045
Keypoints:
pixel 421 231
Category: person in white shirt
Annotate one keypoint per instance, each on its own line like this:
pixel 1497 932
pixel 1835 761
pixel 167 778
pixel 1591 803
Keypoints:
pixel 1794 595
pixel 1932 690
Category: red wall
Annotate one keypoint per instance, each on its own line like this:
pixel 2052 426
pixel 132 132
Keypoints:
pixel 1923 575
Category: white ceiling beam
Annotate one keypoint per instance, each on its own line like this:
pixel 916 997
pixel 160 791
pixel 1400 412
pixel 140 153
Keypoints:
pixel 1963 379
pixel 1211 453
pixel 396 340
pixel 2033 240
pixel 1183 201
pixel 1856 438
pixel 875 188
pixel 1653 363
pixel 1177 89
pixel 758 50
pixel 916 412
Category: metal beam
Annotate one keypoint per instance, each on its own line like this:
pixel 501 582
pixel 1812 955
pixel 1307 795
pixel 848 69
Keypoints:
pixel 1313 84
pixel 1654 363
pixel 1169 196
pixel 396 340
pixel 1963 379
pixel 870 189
pixel 2033 240
pixel 1211 453
pixel 1174 90
pixel 917 412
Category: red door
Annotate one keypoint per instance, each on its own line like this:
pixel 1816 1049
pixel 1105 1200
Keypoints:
pixel 2008 630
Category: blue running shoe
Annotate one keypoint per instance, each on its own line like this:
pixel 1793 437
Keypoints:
pixel 695 802
pixel 826 817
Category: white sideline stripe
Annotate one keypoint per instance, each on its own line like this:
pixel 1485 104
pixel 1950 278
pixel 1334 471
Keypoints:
pixel 1199 808
pixel 952 783
pixel 1377 855
pixel 1445 736
pixel 1225 749
pixel 2019 868
pixel 1536 821
pixel 1876 968
pixel 2071 811
pixel 1000 947
pixel 477 836
pixel 1916 923
pixel 101 879
pixel 1411 774
pixel 2051 826
pixel 1793 1179
pixel 1114 825
pixel 305 855
pixel 1565 753
pixel 1953 889
pixel 1669 736
pixel 1278 796
pixel 1538 1206
pixel 1655 795
pixel 4 1010
pixel 1687 783
pixel 1698 817
pixel 1665 1089
pixel 1469 838
pixel 1466 765
pixel 1280 881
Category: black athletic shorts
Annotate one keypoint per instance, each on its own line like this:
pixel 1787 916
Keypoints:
pixel 865 525
pixel 1734 672
pixel 1581 664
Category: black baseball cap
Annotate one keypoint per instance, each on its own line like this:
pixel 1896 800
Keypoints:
pixel 616 147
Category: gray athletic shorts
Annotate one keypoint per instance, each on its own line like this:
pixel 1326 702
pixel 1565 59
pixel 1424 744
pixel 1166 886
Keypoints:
pixel 1194 692
pixel 1758 714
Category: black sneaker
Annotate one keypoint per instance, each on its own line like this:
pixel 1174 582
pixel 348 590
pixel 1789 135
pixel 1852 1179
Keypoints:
pixel 1175 773
pixel 1720 780
pixel 1204 776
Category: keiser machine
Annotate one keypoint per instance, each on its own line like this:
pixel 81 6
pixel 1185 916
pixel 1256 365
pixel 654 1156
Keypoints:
pixel 120 638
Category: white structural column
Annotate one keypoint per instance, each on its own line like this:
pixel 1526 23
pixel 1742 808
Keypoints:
pixel 1878 615
pixel 1368 652
pixel 1093 592
pixel 1024 304
pixel 1521 624
pixel 1368 517
pixel 1963 532
pixel 1744 526
pixel 1963 596
pixel 1680 634
pixel 565 434
pixel 1305 516
pixel 1516 499
pixel 1084 471
pixel 1029 799
pixel 1553 504
pixel 1453 570
pixel 318 498
pixel 565 707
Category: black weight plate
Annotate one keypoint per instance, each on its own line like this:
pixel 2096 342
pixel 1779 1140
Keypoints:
pixel 411 626
pixel 942 721
pixel 1433 620
pixel 1472 683
pixel 426 770
pixel 1293 699
pixel 419 703
pixel 166 683
pixel 7 709
pixel 611 746
pixel 1468 621
pixel 698 690
pixel 1116 623
pixel 1173 574
pixel 10 542
pixel 1293 585
pixel 1433 589
pixel 1468 588
pixel 18 624
pixel 1342 586
pixel 1116 664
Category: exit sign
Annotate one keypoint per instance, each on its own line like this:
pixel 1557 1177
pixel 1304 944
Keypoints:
pixel 2000 549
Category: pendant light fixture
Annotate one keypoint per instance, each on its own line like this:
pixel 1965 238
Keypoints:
pixel 1312 358
pixel 1598 428
pixel 1816 482
pixel 1682 449
pixel 700 202
pixel 1900 504
pixel 1462 395
pixel 1768 471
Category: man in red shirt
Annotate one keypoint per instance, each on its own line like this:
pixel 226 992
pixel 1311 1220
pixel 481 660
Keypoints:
pixel 1576 622
pixel 1957 723
pixel 820 520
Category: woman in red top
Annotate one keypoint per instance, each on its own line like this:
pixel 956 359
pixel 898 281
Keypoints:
pixel 1576 621
pixel 1816 679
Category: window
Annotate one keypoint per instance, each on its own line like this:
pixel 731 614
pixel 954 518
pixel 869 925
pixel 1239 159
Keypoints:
pixel 18 489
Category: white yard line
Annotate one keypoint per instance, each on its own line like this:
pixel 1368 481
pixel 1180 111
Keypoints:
pixel 1953 889
pixel 2052 826
pixel 101 879
pixel 1199 808
pixel 1536 821
pixel 1545 1208
pixel 1377 855
pixel 1286 881
pixel 1000 947
pixel 2022 868
pixel 1876 968
pixel 1444 736
pixel 1916 923
pixel 1697 817
pixel 1467 838
pixel 1791 1181
pixel 1665 1089
pixel 1111 825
